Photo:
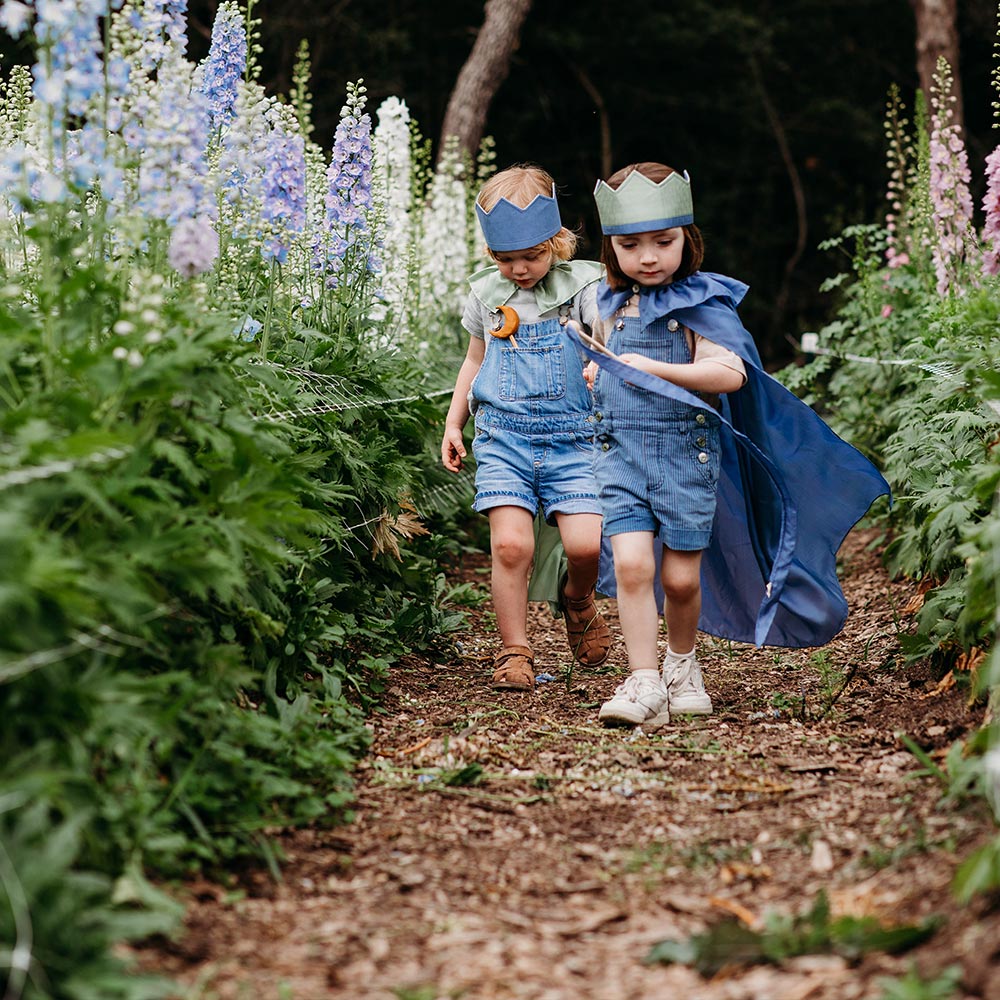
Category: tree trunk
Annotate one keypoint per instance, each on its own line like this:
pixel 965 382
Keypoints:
pixel 937 35
pixel 798 194
pixel 485 69
pixel 603 118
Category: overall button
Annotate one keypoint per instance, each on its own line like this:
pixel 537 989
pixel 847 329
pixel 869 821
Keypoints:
pixel 702 457
pixel 598 416
pixel 700 418
pixel 607 447
pixel 672 325
pixel 701 440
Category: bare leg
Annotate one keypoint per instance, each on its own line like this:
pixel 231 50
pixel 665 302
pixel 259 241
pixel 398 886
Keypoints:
pixel 635 569
pixel 512 545
pixel 581 539
pixel 680 573
pixel 586 630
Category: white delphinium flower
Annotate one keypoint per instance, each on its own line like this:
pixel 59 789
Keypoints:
pixel 393 194
pixel 15 17
pixel 444 245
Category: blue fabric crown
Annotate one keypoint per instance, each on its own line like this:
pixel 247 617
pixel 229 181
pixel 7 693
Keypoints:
pixel 507 227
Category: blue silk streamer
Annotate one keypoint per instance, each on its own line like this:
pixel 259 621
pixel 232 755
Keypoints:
pixel 789 490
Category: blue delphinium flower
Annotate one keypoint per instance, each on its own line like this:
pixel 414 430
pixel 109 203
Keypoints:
pixel 73 81
pixel 248 328
pixel 162 26
pixel 226 63
pixel 168 136
pixel 69 72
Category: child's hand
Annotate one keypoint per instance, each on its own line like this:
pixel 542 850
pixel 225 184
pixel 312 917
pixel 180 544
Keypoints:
pixel 639 361
pixel 589 374
pixel 452 449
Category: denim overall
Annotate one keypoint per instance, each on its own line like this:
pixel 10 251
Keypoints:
pixel 657 460
pixel 534 437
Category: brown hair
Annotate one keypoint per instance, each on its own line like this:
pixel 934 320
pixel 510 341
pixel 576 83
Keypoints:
pixel 694 244
pixel 520 184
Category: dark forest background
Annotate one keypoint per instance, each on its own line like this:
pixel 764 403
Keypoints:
pixel 753 98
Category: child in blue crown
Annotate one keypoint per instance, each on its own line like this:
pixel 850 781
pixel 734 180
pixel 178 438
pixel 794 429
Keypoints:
pixel 522 380
pixel 725 497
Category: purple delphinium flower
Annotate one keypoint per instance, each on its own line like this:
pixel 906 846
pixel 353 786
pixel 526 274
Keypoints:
pixel 349 188
pixel 226 63
pixel 194 246
pixel 283 208
pixel 262 171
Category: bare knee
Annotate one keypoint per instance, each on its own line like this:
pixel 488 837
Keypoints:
pixel 681 588
pixel 512 550
pixel 633 574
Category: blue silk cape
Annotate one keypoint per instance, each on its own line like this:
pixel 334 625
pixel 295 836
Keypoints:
pixel 789 490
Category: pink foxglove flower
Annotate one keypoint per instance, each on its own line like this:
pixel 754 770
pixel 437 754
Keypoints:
pixel 950 196
pixel 991 206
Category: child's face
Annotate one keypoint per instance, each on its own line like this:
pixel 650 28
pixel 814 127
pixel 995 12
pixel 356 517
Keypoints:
pixel 524 267
pixel 651 258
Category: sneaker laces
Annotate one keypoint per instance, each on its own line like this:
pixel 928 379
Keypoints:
pixel 634 687
pixel 683 673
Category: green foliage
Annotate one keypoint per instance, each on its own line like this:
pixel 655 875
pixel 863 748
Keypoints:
pixel 731 943
pixel 979 872
pixel 913 986
pixel 58 921
pixel 210 562
pixel 922 413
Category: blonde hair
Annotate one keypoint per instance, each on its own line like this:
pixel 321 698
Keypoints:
pixel 519 185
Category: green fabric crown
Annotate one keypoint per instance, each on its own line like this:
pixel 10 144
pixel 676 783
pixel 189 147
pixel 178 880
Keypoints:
pixel 640 205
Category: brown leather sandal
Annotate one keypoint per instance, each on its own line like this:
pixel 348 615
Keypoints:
pixel 514 669
pixel 587 631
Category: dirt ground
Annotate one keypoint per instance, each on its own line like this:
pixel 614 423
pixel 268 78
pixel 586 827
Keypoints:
pixel 506 845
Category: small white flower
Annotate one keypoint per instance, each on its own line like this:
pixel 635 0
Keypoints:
pixel 14 17
pixel 123 328
pixel 134 359
pixel 153 337
pixel 119 354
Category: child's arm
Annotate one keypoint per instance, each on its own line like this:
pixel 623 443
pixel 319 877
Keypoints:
pixel 698 376
pixel 453 444
pixel 714 369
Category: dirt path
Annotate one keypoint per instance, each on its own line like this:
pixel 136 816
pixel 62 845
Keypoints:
pixel 510 847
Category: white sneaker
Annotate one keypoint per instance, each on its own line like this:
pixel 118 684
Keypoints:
pixel 639 700
pixel 686 692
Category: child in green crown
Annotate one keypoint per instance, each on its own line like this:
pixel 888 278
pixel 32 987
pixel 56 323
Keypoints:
pixel 725 497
